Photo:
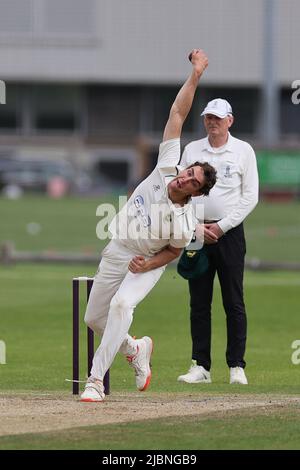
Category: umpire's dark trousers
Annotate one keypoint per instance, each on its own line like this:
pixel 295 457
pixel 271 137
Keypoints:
pixel 226 257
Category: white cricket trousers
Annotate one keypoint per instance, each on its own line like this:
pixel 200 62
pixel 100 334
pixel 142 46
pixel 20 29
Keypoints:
pixel 114 295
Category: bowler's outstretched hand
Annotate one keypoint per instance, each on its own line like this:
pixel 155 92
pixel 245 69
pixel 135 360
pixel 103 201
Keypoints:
pixel 199 60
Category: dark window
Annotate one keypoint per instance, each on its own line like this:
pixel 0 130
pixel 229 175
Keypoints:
pixel 10 112
pixel 52 121
pixel 289 113
pixel 113 111
pixel 116 171
pixel 55 107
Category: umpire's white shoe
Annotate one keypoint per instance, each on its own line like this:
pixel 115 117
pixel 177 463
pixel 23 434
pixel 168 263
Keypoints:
pixel 196 375
pixel 238 376
pixel 93 392
pixel 141 362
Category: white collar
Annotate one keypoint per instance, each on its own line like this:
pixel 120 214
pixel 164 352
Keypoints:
pixel 228 147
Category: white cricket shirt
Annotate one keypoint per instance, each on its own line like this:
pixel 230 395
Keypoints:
pixel 235 193
pixel 150 221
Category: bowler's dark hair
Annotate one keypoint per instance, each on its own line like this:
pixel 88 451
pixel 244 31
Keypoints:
pixel 210 177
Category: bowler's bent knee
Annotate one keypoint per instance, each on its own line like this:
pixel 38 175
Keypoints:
pixel 121 306
pixel 94 323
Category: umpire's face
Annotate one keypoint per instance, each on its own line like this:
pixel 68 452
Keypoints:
pixel 217 127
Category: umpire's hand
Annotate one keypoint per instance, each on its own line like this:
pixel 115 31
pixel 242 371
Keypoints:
pixel 212 233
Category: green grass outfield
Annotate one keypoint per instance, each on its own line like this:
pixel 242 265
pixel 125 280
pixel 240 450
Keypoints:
pixel 69 224
pixel 35 323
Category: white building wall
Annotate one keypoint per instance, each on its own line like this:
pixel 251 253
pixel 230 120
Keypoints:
pixel 288 57
pixel 142 41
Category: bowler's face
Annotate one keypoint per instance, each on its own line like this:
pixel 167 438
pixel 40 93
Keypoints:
pixel 189 182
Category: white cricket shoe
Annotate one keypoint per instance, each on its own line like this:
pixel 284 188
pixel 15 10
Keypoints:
pixel 94 391
pixel 196 374
pixel 141 362
pixel 238 376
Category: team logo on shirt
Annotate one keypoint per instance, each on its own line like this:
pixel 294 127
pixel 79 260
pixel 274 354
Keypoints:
pixel 141 211
pixel 227 173
pixel 138 201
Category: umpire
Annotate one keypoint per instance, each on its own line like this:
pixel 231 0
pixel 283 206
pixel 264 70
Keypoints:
pixel 233 197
